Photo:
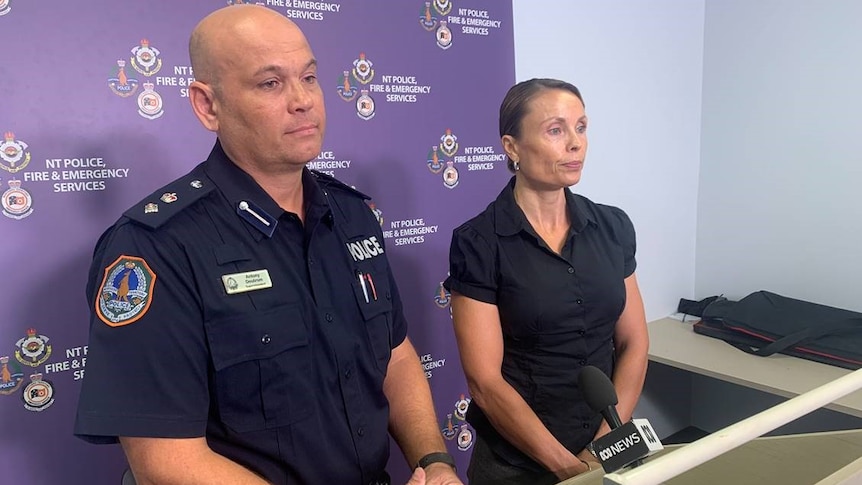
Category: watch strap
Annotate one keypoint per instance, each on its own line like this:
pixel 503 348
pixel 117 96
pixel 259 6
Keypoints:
pixel 436 457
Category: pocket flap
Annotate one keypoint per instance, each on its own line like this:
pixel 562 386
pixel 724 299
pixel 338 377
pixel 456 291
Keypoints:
pixel 255 336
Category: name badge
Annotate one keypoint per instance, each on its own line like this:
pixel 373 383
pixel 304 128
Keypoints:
pixel 250 281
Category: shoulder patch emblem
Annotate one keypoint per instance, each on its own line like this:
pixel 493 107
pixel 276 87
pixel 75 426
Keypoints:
pixel 126 291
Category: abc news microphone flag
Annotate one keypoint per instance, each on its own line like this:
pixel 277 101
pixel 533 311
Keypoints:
pixel 625 444
pixel 95 117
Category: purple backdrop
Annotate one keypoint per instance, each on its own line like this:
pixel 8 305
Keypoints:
pixel 93 119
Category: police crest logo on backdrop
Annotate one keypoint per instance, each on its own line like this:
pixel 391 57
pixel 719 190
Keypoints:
pixel 17 202
pixel 346 90
pixel 351 82
pixel 121 84
pixel 13 153
pixel 145 60
pixel 33 350
pixel 458 427
pixel 39 393
pixel 11 376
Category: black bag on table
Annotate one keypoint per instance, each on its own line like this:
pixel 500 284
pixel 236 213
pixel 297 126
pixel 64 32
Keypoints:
pixel 765 323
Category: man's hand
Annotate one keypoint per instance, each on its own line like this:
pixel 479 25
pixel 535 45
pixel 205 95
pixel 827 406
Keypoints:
pixel 441 474
pixel 437 474
pixel 418 477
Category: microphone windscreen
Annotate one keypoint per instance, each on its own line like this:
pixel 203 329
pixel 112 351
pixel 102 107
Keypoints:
pixel 597 388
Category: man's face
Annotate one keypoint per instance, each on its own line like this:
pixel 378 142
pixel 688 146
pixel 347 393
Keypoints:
pixel 268 103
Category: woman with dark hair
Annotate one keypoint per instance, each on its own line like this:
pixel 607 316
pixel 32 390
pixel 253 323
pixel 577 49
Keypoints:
pixel 542 285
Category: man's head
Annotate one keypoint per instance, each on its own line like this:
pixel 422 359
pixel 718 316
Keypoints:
pixel 256 87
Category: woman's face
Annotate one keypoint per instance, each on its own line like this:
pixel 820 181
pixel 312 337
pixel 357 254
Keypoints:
pixel 551 147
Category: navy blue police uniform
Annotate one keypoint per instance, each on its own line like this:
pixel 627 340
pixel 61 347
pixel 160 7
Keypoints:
pixel 558 312
pixel 218 314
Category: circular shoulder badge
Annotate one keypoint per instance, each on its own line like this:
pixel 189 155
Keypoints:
pixel 126 291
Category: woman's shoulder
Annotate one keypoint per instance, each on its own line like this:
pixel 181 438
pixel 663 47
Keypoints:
pixel 482 223
pixel 603 214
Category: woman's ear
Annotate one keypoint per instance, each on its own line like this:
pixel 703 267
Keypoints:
pixel 510 146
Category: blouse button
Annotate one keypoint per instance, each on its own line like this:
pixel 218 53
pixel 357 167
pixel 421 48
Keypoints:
pixel 265 339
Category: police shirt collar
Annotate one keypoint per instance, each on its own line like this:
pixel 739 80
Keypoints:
pixel 237 187
pixel 510 219
pixel 315 199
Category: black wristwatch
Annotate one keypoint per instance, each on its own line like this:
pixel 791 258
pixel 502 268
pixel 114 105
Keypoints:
pixel 437 457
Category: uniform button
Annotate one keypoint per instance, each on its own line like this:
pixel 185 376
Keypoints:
pixel 388 296
pixel 581 332
pixel 310 260
pixel 347 374
pixel 579 301
pixel 583 362
pixel 586 425
pixel 360 431
pixel 265 339
pixel 571 270
pixel 328 317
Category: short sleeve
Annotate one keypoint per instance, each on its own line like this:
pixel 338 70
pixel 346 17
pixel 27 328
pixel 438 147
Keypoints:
pixel 626 236
pixel 472 266
pixel 147 359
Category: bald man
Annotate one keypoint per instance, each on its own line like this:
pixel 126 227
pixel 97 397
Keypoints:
pixel 261 338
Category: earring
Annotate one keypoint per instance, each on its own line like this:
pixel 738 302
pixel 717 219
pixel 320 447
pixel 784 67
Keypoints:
pixel 516 165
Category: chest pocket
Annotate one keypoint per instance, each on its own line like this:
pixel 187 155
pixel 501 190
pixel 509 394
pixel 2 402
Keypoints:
pixel 374 297
pixel 262 364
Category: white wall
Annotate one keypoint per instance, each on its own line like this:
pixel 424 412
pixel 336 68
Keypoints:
pixel 639 67
pixel 780 207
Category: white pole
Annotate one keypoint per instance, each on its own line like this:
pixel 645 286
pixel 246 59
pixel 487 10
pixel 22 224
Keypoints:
pixel 680 460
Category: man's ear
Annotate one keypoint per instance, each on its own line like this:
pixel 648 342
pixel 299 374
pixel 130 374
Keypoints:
pixel 204 104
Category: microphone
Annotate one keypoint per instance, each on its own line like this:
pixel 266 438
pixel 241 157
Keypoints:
pixel 600 394
pixel 625 444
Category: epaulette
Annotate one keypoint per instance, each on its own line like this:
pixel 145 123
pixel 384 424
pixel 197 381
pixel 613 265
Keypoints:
pixel 170 200
pixel 328 181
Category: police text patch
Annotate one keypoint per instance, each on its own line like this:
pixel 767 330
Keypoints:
pixel 365 248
